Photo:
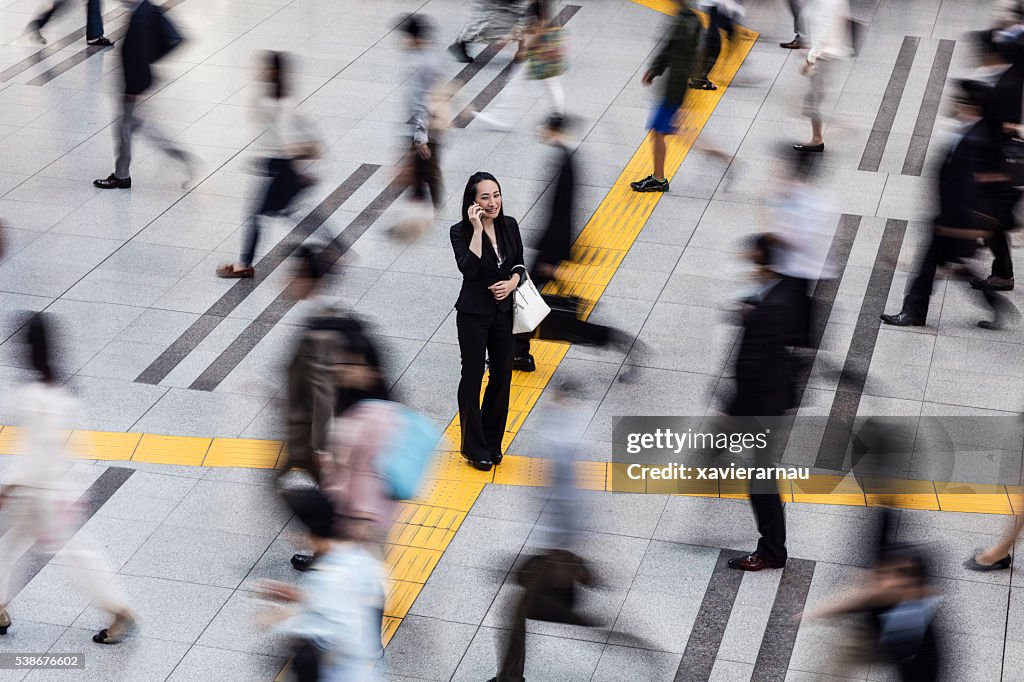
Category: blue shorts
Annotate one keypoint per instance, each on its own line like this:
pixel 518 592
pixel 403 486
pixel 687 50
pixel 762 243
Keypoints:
pixel 663 118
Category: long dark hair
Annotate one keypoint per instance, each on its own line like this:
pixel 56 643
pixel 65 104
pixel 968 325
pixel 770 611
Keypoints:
pixel 277 63
pixel 469 196
pixel 38 341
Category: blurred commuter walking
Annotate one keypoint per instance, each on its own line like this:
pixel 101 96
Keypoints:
pixel 37 500
pixel 334 623
pixel 797 43
pixel 723 15
pixel 150 37
pixel 290 138
pixel 93 27
pixel 964 215
pixel 677 56
pixel 491 20
pixel 897 610
pixel 831 42
pixel 541 58
pixel 764 388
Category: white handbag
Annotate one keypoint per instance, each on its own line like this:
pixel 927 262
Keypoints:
pixel 528 306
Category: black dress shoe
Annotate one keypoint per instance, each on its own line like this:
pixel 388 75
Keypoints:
pixel 478 464
pixel 113 182
pixel 902 319
pixel 303 562
pixel 524 363
pixel 496 458
pixel 102 41
pixel 810 148
pixel 754 562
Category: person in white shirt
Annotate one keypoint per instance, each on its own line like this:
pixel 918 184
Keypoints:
pixel 289 138
pixel 828 22
pixel 35 495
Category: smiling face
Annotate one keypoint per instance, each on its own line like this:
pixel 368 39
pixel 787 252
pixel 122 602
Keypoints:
pixel 488 197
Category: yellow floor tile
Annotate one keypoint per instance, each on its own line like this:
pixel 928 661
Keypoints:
pixel 452 466
pixel 825 489
pixel 452 494
pixel 103 445
pixel 901 494
pixel 1016 495
pixel 181 450
pixel 692 488
pixel 410 563
pixel 399 596
pixel 740 490
pixel 389 628
pixel 238 452
pixel 523 471
pixel 591 475
pixel 973 497
pixel 620 482
pixel 10 439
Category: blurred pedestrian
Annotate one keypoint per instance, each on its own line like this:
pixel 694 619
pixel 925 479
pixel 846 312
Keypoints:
pixel 805 227
pixel 489 252
pixel 93 27
pixel 291 139
pixel 898 608
pixel 491 20
pixel 542 59
pixel 723 16
pixel 429 116
pixel 796 9
pixel 310 386
pixel 764 388
pixel 334 624
pixel 35 497
pixel 963 216
pixel 677 56
pixel 556 241
pixel 1002 71
pixel 830 43
pixel 150 37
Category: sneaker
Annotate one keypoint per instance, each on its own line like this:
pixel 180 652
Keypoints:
pixel 650 184
pixel 458 50
pixel 524 364
pixel 993 283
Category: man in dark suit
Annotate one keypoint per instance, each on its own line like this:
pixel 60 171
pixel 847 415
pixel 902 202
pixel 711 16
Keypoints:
pixel 556 242
pixel 764 388
pixel 93 27
pixel 150 36
pixel 964 215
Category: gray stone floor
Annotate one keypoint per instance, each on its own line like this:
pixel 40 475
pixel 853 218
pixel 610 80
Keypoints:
pixel 128 273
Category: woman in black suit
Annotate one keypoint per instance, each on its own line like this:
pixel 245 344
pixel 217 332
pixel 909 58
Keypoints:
pixel 488 248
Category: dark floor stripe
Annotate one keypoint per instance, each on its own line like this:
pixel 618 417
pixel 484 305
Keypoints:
pixel 52 48
pixel 913 164
pixel 158 370
pixel 487 95
pixel 262 325
pixel 88 51
pixel 886 115
pixel 709 627
pixel 780 635
pixel 101 490
pixel 832 451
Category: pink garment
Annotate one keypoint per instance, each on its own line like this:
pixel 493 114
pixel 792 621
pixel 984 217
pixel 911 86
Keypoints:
pixel 351 479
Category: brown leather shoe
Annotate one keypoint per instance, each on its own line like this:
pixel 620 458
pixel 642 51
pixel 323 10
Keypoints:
pixel 236 272
pixel 794 44
pixel 754 562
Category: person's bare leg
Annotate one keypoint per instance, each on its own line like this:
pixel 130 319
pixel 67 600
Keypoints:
pixel 659 156
pixel 1005 546
pixel 816 131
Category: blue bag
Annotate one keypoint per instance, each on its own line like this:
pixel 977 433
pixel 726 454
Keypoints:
pixel 405 457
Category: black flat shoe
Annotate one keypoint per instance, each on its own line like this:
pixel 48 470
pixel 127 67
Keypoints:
pixel 902 319
pixel 478 464
pixel 525 363
pixel 810 148
pixel 113 182
pixel 303 562
pixel 496 458
pixel 973 565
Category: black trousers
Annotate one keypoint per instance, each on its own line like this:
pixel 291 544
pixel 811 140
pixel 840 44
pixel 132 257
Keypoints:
pixel 427 176
pixel 483 426
pixel 942 250
pixel 771 524
pixel 94 18
pixel 713 39
pixel 1004 201
pixel 284 185
pixel 1002 263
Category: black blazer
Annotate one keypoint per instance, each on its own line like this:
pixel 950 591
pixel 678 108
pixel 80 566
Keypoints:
pixel 139 47
pixel 764 381
pixel 959 191
pixel 478 273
